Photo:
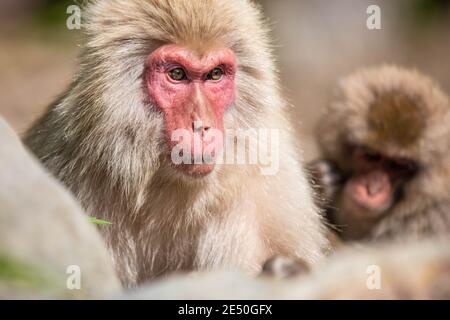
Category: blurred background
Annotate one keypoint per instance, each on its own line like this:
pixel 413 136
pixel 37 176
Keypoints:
pixel 317 42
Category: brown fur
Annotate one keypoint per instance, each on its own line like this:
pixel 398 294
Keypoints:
pixel 402 114
pixel 103 139
pixel 396 119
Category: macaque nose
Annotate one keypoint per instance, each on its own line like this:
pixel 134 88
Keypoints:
pixel 200 127
pixel 376 183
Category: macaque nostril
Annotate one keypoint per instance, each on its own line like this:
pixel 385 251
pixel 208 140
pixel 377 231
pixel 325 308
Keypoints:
pixel 197 126
pixel 373 188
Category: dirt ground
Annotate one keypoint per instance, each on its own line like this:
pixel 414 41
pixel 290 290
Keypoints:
pixel 316 43
pixel 33 72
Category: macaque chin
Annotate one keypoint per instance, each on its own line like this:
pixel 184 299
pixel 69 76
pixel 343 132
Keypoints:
pixel 192 92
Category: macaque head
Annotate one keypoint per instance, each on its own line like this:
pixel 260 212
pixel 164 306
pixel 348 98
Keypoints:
pixel 386 133
pixel 193 92
pixel 162 81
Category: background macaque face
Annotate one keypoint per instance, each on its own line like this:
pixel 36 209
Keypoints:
pixel 192 91
pixel 375 182
pixel 385 147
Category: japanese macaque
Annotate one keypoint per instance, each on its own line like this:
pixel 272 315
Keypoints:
pixel 385 142
pixel 150 70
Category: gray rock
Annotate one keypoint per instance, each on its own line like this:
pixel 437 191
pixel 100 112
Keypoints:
pixel 43 232
pixel 404 271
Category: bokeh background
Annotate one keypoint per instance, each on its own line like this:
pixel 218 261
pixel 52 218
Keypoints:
pixel 317 41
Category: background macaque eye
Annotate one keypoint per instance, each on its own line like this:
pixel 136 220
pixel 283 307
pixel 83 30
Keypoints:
pixel 177 74
pixel 366 155
pixel 370 155
pixel 215 74
pixel 403 166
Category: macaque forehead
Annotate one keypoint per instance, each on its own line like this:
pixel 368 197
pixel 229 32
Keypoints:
pixel 196 61
pixel 396 118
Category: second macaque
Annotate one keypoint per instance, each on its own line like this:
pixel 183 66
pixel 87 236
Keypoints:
pixel 385 167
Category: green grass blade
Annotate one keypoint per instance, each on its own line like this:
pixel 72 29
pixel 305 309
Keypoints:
pixel 98 221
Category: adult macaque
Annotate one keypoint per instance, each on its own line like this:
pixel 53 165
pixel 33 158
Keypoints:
pixel 151 70
pixel 385 141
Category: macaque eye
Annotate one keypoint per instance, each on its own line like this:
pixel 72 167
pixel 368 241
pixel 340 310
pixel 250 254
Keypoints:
pixel 367 155
pixel 177 74
pixel 403 166
pixel 215 74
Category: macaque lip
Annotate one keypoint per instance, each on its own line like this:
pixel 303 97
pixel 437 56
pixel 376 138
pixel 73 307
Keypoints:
pixel 192 170
pixel 195 170
pixel 373 206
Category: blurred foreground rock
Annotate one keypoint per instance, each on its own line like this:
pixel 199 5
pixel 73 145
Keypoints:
pixel 43 232
pixel 404 271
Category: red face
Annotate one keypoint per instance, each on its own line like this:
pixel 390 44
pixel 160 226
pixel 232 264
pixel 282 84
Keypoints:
pixel 192 92
pixel 376 181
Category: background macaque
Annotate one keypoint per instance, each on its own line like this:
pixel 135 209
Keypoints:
pixel 386 148
pixel 148 69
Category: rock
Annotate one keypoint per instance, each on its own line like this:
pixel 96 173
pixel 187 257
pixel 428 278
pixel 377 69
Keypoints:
pixel 412 271
pixel 44 235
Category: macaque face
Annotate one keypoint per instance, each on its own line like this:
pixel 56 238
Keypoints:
pixel 375 182
pixel 193 92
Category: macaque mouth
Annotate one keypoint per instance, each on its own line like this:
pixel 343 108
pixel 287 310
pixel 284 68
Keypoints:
pixel 372 191
pixel 377 181
pixel 194 158
pixel 193 165
pixel 194 152
pixel 195 170
pixel 196 167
